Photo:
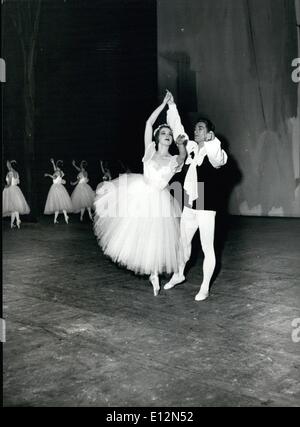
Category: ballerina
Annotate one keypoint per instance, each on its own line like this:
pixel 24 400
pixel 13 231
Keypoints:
pixel 83 195
pixel 106 175
pixel 106 172
pixel 13 201
pixel 58 199
pixel 137 219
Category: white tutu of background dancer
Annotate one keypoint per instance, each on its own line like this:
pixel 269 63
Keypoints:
pixel 13 201
pixel 137 219
pixel 83 195
pixel 58 199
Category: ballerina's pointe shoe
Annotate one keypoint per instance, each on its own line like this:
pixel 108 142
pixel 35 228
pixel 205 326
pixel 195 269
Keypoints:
pixel 154 280
pixel 67 219
pixel 18 223
pixel 175 280
pixel 202 295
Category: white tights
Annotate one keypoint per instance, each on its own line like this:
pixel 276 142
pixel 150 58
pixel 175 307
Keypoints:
pixel 82 213
pixel 15 216
pixel 191 220
pixel 56 216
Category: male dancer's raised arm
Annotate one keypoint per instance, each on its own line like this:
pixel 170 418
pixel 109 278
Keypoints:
pixel 216 155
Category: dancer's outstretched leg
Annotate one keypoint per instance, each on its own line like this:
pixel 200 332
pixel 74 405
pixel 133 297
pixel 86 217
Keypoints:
pixel 82 213
pixel 66 216
pixel 188 227
pixel 207 232
pixel 55 217
pixel 154 280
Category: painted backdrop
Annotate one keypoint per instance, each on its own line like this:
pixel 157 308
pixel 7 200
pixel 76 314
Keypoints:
pixel 231 60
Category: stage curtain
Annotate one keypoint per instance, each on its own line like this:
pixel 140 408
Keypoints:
pixel 231 60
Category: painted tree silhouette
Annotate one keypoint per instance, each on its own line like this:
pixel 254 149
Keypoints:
pixel 25 17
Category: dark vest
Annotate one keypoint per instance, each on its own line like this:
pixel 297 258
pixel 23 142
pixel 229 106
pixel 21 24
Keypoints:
pixel 209 187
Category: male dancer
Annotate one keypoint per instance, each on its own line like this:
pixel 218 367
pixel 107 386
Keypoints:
pixel 201 186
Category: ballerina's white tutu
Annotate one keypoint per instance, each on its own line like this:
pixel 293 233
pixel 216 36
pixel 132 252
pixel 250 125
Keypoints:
pixel 58 198
pixel 137 219
pixel 83 195
pixel 13 199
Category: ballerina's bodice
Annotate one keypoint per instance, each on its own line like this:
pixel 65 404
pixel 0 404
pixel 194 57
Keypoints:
pixel 57 180
pixel 158 172
pixel 14 180
pixel 82 179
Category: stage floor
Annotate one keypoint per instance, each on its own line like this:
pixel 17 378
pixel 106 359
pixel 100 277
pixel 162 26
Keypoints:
pixel 83 332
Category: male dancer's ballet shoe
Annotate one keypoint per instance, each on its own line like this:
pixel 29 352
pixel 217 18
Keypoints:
pixel 175 280
pixel 202 295
pixel 154 280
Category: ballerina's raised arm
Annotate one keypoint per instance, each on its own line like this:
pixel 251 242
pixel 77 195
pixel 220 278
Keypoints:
pixel 152 119
pixel 75 166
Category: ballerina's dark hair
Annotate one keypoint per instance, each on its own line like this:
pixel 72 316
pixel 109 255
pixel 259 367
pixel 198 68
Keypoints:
pixel 157 130
pixel 83 163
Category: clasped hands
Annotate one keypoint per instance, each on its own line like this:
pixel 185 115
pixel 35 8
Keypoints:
pixel 181 139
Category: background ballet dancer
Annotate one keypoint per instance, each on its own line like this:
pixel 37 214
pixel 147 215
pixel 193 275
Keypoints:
pixel 105 171
pixel 58 199
pixel 83 195
pixel 106 174
pixel 13 201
